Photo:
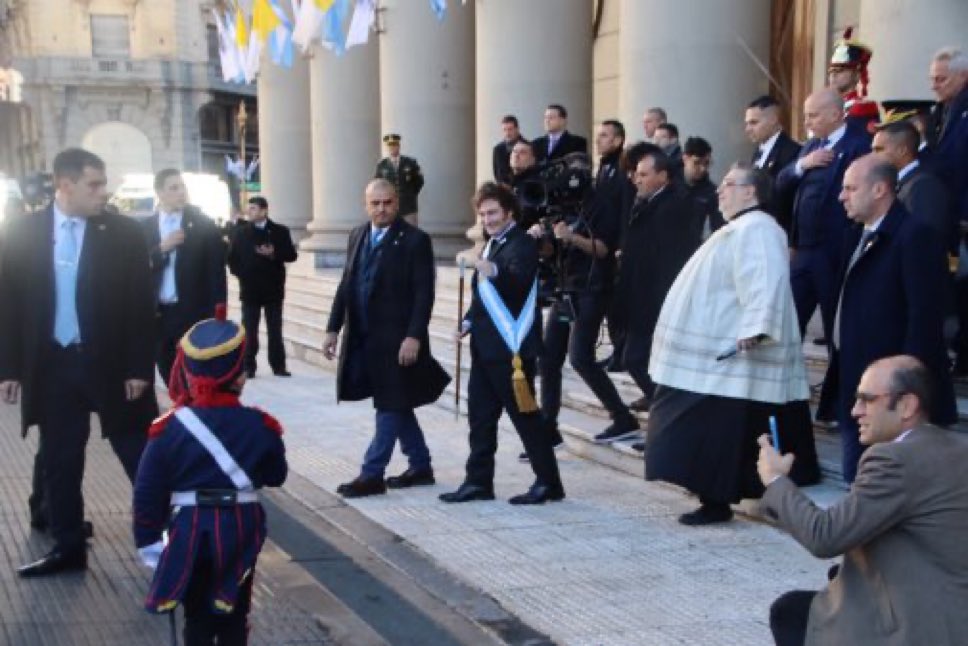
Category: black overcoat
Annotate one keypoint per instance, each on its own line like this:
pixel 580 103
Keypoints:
pixel 399 306
pixel 661 236
pixel 114 306
pixel 261 280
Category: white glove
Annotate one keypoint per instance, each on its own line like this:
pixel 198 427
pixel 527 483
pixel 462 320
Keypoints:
pixel 150 554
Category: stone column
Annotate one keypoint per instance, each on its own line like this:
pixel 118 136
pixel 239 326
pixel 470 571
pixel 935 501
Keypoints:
pixel 427 96
pixel 345 104
pixel 530 54
pixel 284 143
pixel 905 34
pixel 702 73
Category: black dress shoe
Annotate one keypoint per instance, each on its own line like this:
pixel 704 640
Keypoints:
pixel 707 515
pixel 641 405
pixel 56 561
pixel 411 478
pixel 468 492
pixel 40 524
pixel 362 487
pixel 539 494
pixel 282 373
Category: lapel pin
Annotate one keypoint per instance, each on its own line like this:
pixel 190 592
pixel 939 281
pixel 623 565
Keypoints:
pixel 102 227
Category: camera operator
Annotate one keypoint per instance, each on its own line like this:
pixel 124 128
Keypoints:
pixel 524 182
pixel 586 233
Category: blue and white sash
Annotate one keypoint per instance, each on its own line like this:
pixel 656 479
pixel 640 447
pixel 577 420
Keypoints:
pixel 512 330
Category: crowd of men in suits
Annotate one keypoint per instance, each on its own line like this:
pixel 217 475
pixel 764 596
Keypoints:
pixel 88 319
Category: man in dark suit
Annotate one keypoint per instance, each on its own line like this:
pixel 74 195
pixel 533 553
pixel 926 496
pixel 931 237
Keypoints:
pixel 697 158
pixel 775 150
pixel 187 259
pixel 75 338
pixel 508 270
pixel 557 142
pixel 921 193
pixel 663 232
pixel 383 304
pixel 405 175
pixel 501 156
pixel 901 529
pixel 258 253
pixel 891 297
pixel 819 222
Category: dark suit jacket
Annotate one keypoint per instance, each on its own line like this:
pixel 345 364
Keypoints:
pixel 949 154
pixel 199 264
pixel 516 258
pixel 400 304
pixel 901 529
pixel 818 215
pixel 893 303
pixel 406 177
pixel 925 197
pixel 501 160
pixel 114 307
pixel 261 279
pixel 783 153
pixel 567 143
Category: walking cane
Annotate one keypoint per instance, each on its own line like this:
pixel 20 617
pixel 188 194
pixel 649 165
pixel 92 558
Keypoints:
pixel 460 313
pixel 174 630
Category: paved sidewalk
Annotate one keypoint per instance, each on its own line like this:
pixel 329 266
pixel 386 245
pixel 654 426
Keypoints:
pixel 609 565
pixel 102 607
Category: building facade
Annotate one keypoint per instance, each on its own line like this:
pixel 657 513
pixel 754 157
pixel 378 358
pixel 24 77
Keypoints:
pixel 132 80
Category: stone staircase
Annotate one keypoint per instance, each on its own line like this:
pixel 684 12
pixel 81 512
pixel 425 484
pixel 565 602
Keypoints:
pixel 309 294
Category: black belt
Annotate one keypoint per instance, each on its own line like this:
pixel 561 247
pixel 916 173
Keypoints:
pixel 73 348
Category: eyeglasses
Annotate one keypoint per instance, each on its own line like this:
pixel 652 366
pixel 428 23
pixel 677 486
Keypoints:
pixel 731 184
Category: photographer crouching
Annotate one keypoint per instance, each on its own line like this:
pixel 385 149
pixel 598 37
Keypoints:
pixel 577 235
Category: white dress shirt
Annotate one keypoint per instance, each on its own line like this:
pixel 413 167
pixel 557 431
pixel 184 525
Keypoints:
pixel 765 149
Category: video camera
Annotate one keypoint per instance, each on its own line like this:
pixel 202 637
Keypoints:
pixel 556 194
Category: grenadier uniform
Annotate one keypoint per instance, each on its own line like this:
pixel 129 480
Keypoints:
pixel 853 55
pixel 198 480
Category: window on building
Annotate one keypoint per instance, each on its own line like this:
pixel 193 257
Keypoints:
pixel 109 36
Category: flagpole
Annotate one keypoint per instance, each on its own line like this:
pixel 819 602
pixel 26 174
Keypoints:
pixel 242 118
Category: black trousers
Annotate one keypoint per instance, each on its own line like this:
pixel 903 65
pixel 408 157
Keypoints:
pixel 171 324
pixel 67 399
pixel 203 627
pixel 638 351
pixel 576 340
pixel 251 314
pixel 489 393
pixel 788 617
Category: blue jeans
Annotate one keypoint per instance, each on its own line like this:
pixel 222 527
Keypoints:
pixel 390 426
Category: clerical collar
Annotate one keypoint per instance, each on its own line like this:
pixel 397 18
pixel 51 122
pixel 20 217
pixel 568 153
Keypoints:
pixel 755 207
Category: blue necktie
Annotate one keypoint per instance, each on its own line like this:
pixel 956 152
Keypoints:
pixel 375 238
pixel 66 328
pixel 824 142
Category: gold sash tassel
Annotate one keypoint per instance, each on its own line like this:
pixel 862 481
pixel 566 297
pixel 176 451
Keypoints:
pixel 523 396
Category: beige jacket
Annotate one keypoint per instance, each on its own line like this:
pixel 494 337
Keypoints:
pixel 736 286
pixel 903 531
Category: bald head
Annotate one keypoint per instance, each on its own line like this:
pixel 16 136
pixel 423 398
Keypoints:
pixel 823 112
pixel 893 396
pixel 868 188
pixel 380 199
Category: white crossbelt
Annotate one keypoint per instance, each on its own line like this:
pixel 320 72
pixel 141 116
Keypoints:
pixel 216 449
pixel 190 498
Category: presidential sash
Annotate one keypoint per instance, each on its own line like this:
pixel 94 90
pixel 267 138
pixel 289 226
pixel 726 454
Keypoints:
pixel 513 331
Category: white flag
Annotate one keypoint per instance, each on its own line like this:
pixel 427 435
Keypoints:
pixel 362 22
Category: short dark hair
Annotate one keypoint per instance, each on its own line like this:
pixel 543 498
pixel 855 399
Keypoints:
pixel 501 193
pixel 661 162
pixel 634 154
pixel 524 142
pixel 697 147
pixel 759 179
pixel 259 201
pixel 162 176
pixel 617 126
pixel 911 378
pixel 763 102
pixel 883 171
pixel 904 133
pixel 510 118
pixel 670 127
pixel 71 162
pixel 559 108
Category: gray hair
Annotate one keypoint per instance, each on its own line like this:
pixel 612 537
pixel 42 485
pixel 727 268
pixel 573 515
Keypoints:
pixel 956 59
pixel 760 180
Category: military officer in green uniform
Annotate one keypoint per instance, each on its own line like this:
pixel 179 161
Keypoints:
pixel 404 173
